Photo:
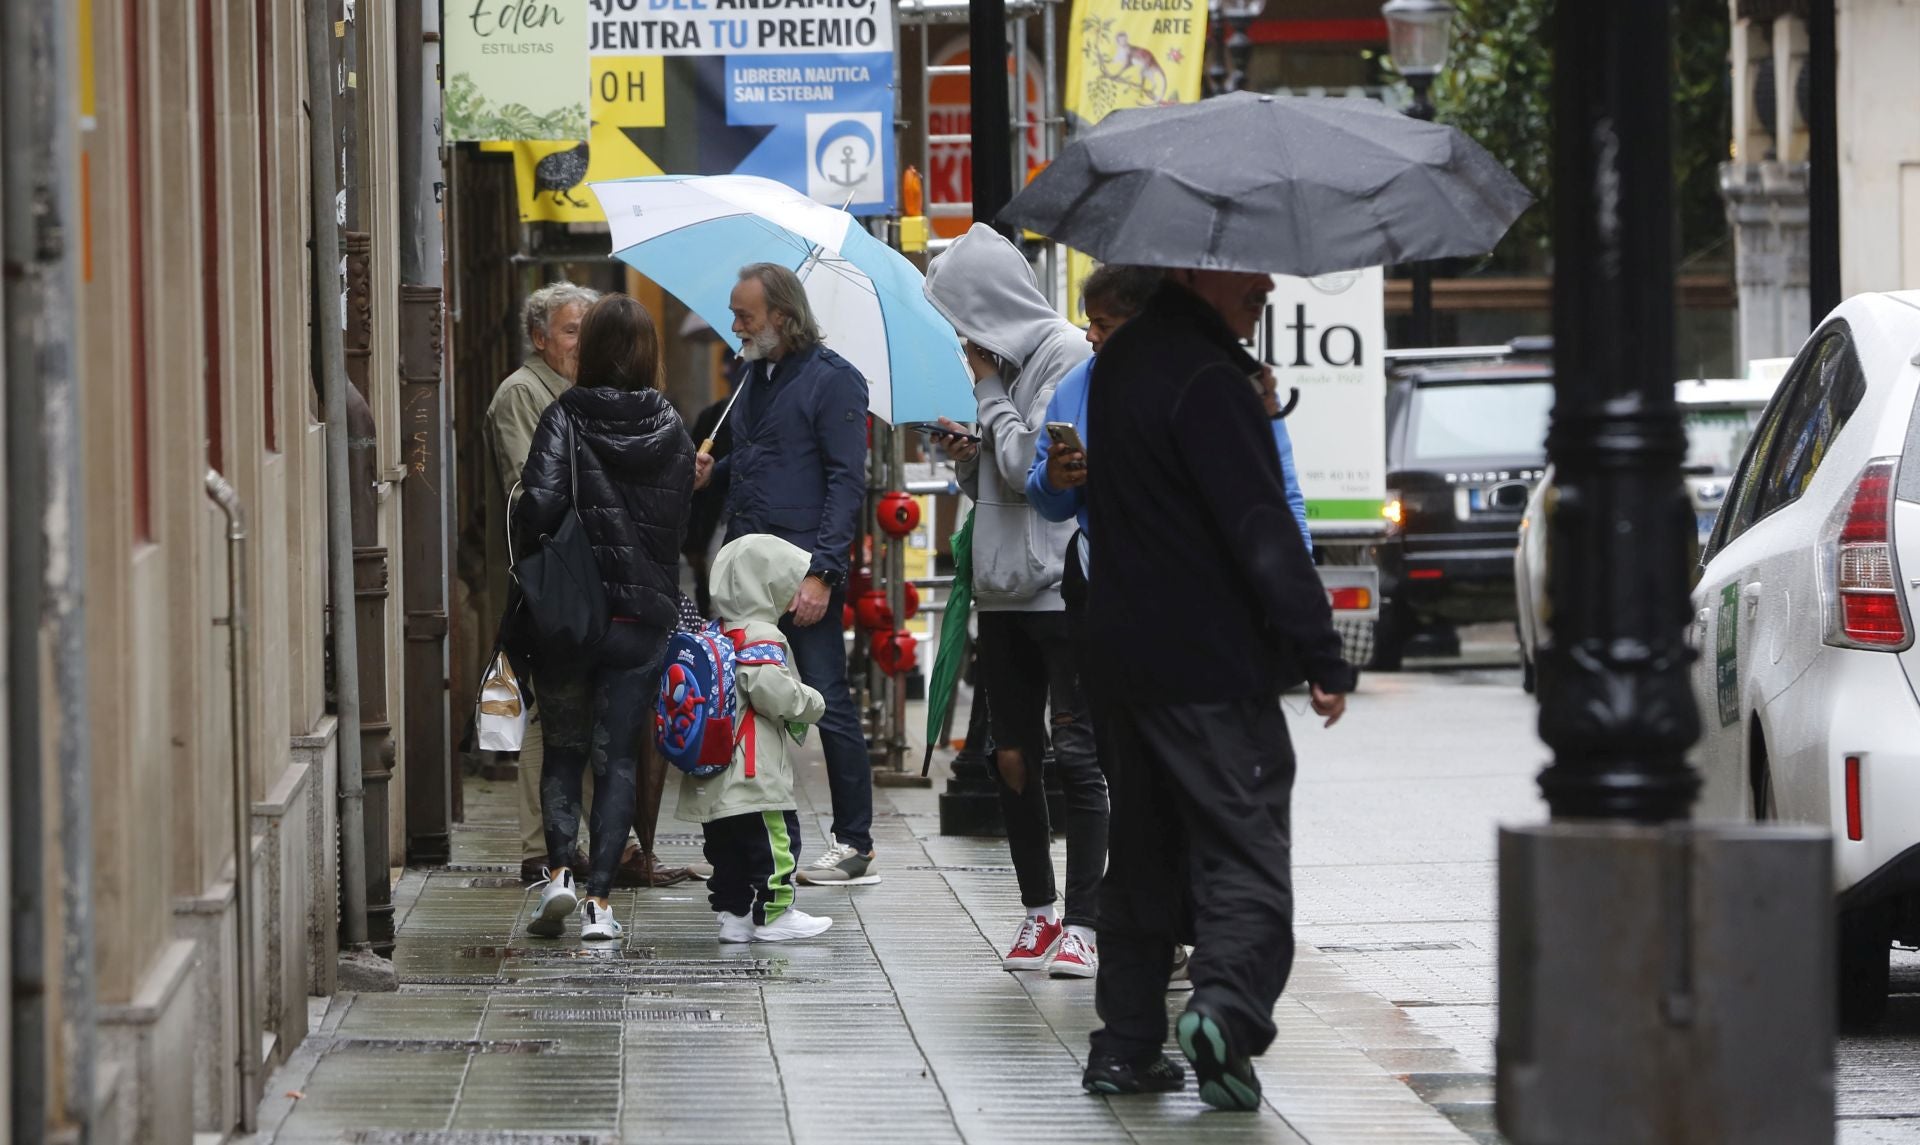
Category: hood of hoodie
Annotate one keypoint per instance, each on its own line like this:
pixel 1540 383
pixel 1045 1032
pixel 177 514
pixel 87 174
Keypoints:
pixel 983 285
pixel 755 577
pixel 634 434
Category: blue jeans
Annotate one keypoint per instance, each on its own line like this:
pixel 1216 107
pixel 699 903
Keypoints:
pixel 821 653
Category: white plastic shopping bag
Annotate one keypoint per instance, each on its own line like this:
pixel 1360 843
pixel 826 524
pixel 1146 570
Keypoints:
pixel 503 712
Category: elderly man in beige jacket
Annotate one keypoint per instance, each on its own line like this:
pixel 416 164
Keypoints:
pixel 551 318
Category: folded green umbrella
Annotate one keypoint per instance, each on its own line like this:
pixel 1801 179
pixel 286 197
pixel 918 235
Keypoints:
pixel 951 657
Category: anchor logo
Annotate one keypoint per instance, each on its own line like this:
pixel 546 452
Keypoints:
pixel 845 153
pixel 846 158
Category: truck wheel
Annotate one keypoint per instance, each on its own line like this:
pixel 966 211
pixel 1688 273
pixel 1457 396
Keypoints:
pixel 1866 946
pixel 1390 634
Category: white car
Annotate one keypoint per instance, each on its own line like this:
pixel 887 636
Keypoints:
pixel 1804 624
pixel 1719 415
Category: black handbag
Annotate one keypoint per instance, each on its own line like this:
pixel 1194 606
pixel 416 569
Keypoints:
pixel 564 601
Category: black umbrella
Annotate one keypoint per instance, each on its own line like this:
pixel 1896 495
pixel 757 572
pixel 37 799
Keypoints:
pixel 1270 184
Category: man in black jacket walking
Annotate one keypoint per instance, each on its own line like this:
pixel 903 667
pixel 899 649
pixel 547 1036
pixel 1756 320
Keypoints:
pixel 1203 606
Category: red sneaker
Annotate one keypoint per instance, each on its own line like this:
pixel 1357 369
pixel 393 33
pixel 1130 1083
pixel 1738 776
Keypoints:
pixel 1035 944
pixel 1077 958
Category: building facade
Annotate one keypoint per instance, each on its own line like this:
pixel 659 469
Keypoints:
pixel 175 967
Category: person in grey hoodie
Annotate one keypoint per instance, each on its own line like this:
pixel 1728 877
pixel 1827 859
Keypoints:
pixel 1019 349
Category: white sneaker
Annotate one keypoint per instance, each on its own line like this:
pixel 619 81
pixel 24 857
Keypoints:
pixel 841 866
pixel 549 918
pixel 1075 958
pixel 793 924
pixel 735 928
pixel 598 922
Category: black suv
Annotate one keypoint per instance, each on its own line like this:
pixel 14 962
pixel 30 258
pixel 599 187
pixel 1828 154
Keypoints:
pixel 1466 443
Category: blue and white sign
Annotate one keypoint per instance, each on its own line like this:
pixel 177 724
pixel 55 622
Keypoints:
pixel 814 76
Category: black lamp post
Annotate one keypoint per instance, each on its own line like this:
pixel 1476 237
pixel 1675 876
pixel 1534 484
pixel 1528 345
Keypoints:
pixel 1228 72
pixel 1419 33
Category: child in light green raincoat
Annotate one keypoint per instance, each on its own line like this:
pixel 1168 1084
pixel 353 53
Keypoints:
pixel 748 810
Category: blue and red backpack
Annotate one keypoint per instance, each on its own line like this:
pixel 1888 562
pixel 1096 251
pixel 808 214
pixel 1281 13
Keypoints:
pixel 699 717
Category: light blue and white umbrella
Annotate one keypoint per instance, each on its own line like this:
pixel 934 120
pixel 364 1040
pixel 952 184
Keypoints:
pixel 693 233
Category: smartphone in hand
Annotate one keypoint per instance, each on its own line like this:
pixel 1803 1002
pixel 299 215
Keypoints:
pixel 937 431
pixel 1065 433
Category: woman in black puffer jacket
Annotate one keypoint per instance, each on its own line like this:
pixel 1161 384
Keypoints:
pixel 632 465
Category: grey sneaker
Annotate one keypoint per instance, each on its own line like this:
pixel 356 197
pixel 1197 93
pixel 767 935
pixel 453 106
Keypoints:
pixel 1180 979
pixel 841 866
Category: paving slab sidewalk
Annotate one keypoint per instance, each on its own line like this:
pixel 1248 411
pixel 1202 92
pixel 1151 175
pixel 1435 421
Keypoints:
pixel 897 1025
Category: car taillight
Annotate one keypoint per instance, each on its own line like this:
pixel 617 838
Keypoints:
pixel 1861 573
pixel 1350 599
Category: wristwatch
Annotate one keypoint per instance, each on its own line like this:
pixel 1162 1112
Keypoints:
pixel 829 577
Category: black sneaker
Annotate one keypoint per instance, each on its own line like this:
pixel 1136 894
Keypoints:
pixel 1227 1080
pixel 1108 1076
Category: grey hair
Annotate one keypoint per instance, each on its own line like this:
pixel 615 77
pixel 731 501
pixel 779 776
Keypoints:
pixel 549 300
pixel 786 295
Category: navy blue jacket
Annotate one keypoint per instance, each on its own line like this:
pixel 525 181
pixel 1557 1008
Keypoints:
pixel 798 467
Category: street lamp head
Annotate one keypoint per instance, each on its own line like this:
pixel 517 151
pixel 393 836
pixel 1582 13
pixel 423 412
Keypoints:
pixel 1418 32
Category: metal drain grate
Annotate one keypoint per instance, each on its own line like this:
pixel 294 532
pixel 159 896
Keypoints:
pixel 681 840
pixel 447 1045
pixel 1385 947
pixel 484 883
pixel 562 956
pixel 619 1015
pixel 478 869
pixel 453 980
pixel 468 1137
pixel 950 868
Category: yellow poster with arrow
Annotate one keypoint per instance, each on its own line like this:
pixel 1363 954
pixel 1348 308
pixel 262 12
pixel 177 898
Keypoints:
pixel 1129 53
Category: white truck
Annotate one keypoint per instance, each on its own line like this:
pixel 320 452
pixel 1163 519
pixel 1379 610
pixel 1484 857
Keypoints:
pixel 1325 338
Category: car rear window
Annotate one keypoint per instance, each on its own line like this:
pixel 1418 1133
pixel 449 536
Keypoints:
pixel 1467 423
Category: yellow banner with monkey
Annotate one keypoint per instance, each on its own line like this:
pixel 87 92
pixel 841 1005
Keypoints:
pixel 1129 53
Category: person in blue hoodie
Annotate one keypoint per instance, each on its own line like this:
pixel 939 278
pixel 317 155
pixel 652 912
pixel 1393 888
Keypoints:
pixel 1057 480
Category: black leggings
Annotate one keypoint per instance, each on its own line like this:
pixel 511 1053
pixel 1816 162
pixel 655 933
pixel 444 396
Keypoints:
pixel 596 719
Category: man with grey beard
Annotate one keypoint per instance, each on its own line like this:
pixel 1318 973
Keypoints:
pixel 798 470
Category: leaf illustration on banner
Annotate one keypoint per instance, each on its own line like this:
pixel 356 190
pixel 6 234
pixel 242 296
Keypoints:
pixel 471 116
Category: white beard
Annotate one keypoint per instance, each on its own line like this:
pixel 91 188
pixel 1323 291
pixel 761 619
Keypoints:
pixel 759 346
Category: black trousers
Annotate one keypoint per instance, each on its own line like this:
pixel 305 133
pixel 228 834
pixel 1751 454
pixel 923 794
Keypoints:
pixel 820 652
pixel 1202 855
pixel 1027 660
pixel 595 719
pixel 754 857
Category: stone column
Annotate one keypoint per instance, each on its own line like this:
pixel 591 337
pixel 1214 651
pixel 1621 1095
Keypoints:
pixel 1765 183
pixel 1767 207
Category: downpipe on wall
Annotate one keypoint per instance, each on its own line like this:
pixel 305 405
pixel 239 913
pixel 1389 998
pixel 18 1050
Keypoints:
pixel 322 163
pixel 241 729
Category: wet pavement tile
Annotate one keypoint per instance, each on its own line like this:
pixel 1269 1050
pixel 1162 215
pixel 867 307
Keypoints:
pixel 896 1025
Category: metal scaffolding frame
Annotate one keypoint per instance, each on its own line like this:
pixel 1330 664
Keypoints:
pixel 924 15
pixel 883 700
